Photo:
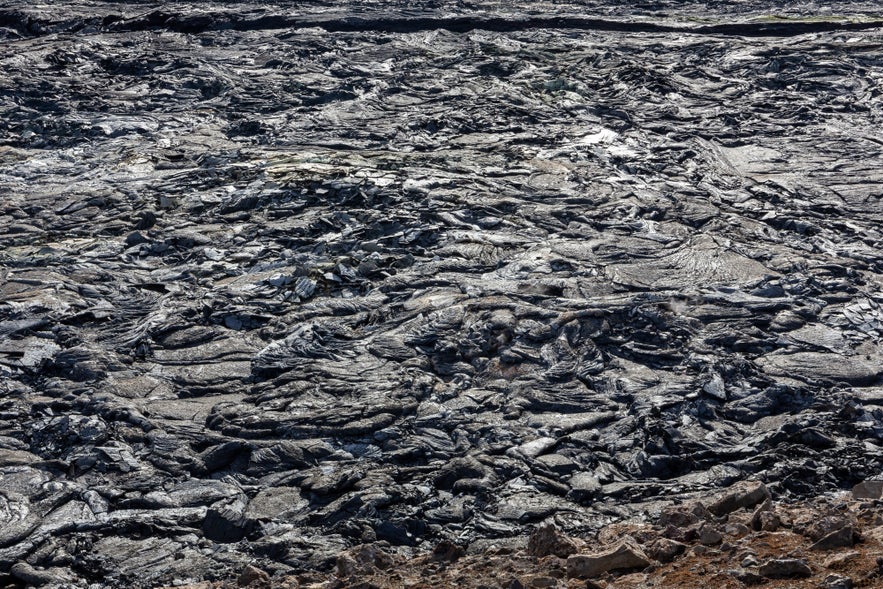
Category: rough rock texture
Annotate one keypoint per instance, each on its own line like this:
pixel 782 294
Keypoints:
pixel 779 560
pixel 279 279
pixel 624 556
pixel 548 540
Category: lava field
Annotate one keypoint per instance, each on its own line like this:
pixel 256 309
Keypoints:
pixel 281 278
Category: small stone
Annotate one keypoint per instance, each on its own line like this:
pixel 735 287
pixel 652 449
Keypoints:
pixel 584 486
pixel 837 539
pixel 868 490
pixel 823 526
pixel 682 516
pixel 346 566
pixel 665 550
pixel 875 533
pixel 679 534
pixel 709 535
pixel 840 561
pixel 250 575
pixel 837 582
pixel 736 529
pixel 745 576
pixel 548 540
pixel 541 581
pixel 766 521
pixel 749 561
pixel 135 238
pixel 533 448
pixel 558 464
pixel 446 551
pixel 782 568
pixel 626 555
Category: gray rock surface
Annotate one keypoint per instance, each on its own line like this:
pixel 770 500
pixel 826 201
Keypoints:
pixel 278 279
pixel 781 568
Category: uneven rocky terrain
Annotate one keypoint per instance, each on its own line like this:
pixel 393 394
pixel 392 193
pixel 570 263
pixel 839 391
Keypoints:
pixel 740 538
pixel 279 279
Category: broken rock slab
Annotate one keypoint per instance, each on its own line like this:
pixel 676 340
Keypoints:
pixel 747 494
pixel 784 568
pixel 548 540
pixel 868 490
pixel 682 516
pixel 665 550
pixel 251 575
pixel 841 538
pixel 626 555
pixel 40 577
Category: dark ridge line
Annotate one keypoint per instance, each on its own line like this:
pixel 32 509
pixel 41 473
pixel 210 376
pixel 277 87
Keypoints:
pixel 465 24
pixel 159 20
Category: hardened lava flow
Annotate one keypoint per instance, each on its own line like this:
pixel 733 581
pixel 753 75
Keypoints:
pixel 278 279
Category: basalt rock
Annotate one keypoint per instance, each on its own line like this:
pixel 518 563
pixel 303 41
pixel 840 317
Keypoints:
pixel 279 279
pixel 548 540
pixel 780 568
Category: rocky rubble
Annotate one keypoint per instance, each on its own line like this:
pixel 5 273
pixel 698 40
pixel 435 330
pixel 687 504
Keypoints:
pixel 281 279
pixel 633 555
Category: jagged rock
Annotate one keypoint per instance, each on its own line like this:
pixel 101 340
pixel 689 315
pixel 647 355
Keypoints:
pixel 363 560
pixel 782 568
pixel 682 516
pixel 736 529
pixel 39 577
pixel 765 518
pixel 837 582
pixel 709 535
pixel 748 577
pixel 276 503
pixel 558 464
pixel 252 576
pixel 875 533
pixel 750 560
pixel 664 550
pixel 447 552
pixel 627 555
pixel 767 521
pixel 868 490
pixel 226 521
pixel 541 581
pixel 840 560
pixel 584 486
pixel 741 495
pixel 837 539
pixel 819 527
pixel 547 539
